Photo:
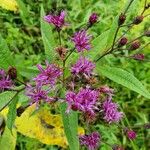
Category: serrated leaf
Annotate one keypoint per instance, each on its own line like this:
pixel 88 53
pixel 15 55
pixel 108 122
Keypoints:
pixel 47 36
pixel 70 122
pixel 12 113
pixel 124 78
pixel 5 98
pixel 5 55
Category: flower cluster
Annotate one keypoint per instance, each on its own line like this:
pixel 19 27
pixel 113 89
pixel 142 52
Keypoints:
pixel 110 109
pixel 82 40
pixel 84 101
pixel 49 75
pixel 57 20
pixel 93 101
pixel 46 77
pixel 5 81
pixel 91 141
pixel 83 66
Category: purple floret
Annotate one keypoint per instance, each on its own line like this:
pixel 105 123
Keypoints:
pixel 90 141
pixel 111 113
pixel 82 41
pixel 37 94
pixel 84 101
pixel 57 20
pixel 5 81
pixel 49 75
pixel 83 65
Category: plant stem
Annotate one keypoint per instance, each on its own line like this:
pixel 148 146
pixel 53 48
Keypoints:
pixel 11 99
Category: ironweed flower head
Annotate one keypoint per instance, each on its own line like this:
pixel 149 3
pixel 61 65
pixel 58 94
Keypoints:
pixel 83 66
pixel 49 75
pixel 123 41
pixel 135 45
pixel 139 56
pixel 138 20
pixel 122 19
pixel 12 72
pixel 37 94
pixel 93 18
pixel 82 40
pixel 111 113
pixel 131 134
pixel 5 81
pixel 84 101
pixel 57 20
pixel 90 141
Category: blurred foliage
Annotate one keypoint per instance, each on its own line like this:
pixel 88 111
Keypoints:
pixel 21 30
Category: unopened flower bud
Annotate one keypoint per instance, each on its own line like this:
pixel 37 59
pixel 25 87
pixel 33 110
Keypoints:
pixel 147 126
pixel 139 56
pixel 147 33
pixel 123 41
pixel 122 19
pixel 93 18
pixel 61 52
pixel 138 20
pixel 131 134
pixel 12 72
pixel 135 45
pixel 117 147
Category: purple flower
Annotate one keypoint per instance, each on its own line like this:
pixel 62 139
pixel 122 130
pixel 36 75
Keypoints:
pixel 57 20
pixel 82 40
pixel 5 81
pixel 37 94
pixel 91 141
pixel 48 75
pixel 131 134
pixel 93 18
pixel 83 65
pixel 111 113
pixel 85 101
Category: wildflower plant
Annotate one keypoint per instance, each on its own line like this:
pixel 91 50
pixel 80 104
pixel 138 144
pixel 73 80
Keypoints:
pixel 72 79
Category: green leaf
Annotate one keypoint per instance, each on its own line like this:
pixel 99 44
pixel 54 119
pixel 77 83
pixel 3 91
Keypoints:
pixel 5 55
pixel 70 122
pixel 98 44
pixel 24 13
pixel 11 116
pixel 124 78
pixel 48 37
pixel 112 32
pixel 5 98
pixel 8 140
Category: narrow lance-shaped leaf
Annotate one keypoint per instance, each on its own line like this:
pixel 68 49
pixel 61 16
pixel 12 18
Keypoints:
pixel 5 55
pixel 70 122
pixel 24 13
pixel 12 112
pixel 48 37
pixel 8 140
pixel 5 98
pixel 98 44
pixel 124 78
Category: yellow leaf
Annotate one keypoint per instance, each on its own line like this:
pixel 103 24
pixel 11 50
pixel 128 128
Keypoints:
pixel 44 126
pixel 8 140
pixel 9 5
